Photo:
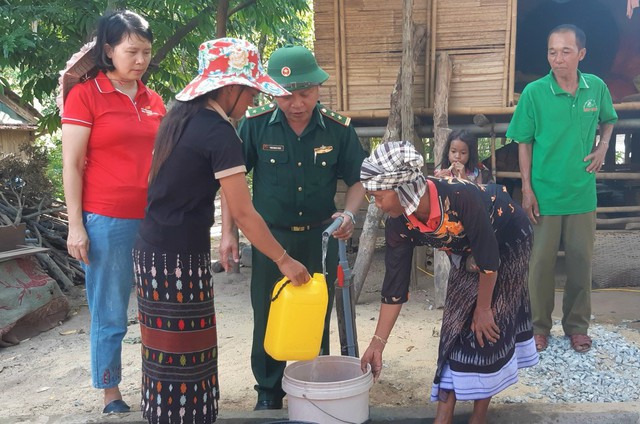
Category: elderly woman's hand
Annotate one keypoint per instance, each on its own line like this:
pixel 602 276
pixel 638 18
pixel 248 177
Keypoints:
pixel 484 326
pixel 373 357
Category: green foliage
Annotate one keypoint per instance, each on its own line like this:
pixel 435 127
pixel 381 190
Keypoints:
pixel 35 50
pixel 52 145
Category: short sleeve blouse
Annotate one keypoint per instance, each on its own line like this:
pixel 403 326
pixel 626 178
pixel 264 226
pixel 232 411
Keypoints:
pixel 180 206
pixel 475 220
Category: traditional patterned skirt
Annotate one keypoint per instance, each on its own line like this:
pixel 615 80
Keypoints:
pixel 473 372
pixel 179 340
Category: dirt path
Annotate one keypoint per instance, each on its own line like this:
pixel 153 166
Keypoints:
pixel 49 373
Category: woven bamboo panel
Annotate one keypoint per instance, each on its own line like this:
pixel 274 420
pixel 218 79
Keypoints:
pixel 12 140
pixel 359 43
pixel 474 34
pixel 324 49
pixel 372 43
pixel 373 61
pixel 477 79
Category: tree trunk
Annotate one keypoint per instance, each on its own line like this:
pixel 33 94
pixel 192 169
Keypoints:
pixel 406 72
pixel 181 32
pixel 366 245
pixel 221 18
pixel 441 131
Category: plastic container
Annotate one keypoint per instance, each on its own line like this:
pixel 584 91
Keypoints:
pixel 328 390
pixel 296 319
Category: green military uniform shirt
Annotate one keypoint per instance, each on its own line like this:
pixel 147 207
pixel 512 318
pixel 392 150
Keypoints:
pixel 295 177
pixel 562 129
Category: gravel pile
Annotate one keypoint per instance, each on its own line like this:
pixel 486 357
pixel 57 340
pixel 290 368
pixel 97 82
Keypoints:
pixel 609 372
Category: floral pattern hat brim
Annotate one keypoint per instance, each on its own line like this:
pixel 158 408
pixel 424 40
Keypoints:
pixel 229 61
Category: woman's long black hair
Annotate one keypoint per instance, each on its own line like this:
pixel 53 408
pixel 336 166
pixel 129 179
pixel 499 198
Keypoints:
pixel 172 128
pixel 472 144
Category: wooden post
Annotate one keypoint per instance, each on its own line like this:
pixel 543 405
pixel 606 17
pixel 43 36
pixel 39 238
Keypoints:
pixel 336 53
pixel 407 71
pixel 493 151
pixel 512 51
pixel 343 56
pixel 433 33
pixel 507 57
pixel 366 244
pixel 441 131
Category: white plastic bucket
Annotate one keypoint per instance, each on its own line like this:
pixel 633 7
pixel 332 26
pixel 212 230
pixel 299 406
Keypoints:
pixel 328 390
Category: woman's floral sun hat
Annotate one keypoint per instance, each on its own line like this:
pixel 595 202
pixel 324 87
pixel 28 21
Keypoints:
pixel 229 61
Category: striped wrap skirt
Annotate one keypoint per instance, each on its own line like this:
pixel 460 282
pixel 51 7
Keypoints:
pixel 179 339
pixel 473 372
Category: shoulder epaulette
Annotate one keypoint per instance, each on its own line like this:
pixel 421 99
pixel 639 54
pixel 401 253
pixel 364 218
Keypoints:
pixel 252 112
pixel 341 119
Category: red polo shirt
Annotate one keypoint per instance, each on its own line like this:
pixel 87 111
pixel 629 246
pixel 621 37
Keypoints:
pixel 120 146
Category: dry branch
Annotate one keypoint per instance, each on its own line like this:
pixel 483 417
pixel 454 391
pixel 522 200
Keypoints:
pixel 26 196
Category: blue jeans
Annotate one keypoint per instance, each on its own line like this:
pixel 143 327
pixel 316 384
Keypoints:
pixel 108 280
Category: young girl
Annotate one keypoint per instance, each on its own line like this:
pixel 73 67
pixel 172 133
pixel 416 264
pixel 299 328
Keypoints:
pixel 461 160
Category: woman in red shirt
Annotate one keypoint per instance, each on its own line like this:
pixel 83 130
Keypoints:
pixel 108 128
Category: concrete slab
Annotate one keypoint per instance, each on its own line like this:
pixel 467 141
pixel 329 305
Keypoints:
pixel 606 413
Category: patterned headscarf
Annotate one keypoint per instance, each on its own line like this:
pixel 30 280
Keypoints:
pixel 396 165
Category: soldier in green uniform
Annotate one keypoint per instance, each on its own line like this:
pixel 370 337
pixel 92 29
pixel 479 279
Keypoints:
pixel 297 149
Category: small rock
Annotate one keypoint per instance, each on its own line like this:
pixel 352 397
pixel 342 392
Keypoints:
pixel 216 267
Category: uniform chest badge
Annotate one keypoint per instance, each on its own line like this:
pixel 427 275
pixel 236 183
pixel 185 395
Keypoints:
pixel 322 149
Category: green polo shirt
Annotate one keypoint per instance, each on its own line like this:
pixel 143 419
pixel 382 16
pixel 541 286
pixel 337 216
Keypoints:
pixel 295 178
pixel 562 129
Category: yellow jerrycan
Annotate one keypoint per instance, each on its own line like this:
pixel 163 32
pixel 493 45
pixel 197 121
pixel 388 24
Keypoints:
pixel 296 319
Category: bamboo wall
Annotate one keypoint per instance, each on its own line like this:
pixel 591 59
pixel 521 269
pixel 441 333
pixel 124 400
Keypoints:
pixel 477 35
pixel 11 140
pixel 359 43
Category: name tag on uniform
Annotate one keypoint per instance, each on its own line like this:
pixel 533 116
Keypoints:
pixel 273 147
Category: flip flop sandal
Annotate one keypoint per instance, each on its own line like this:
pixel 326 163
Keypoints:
pixel 581 343
pixel 541 341
pixel 117 406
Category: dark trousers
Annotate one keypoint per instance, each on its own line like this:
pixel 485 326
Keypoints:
pixel 305 247
pixel 577 233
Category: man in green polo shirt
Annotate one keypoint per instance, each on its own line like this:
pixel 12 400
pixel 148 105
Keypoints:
pixel 555 124
pixel 297 150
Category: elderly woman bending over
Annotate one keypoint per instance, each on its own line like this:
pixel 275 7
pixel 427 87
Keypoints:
pixel 486 333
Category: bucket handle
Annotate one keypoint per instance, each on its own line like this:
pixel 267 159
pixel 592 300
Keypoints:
pixel 326 413
pixel 280 290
